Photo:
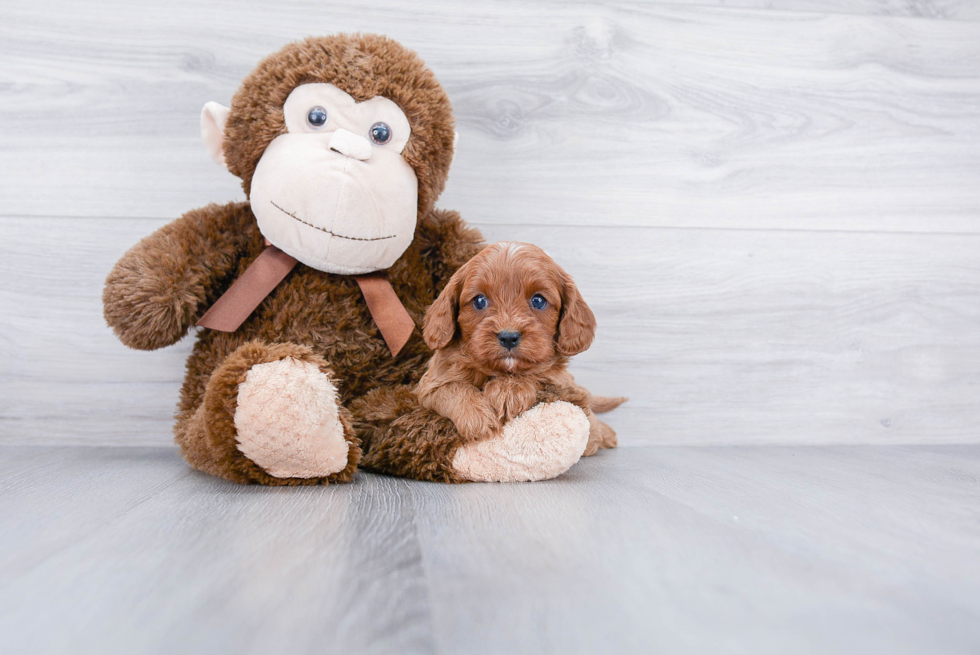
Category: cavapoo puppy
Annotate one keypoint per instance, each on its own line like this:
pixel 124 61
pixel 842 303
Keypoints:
pixel 518 318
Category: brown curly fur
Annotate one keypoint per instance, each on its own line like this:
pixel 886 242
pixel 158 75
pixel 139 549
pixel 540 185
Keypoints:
pixel 363 65
pixel 162 286
pixel 477 382
pixel 200 432
pixel 412 432
pixel 402 438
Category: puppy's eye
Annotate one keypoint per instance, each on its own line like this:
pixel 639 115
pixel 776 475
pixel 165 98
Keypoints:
pixel 317 117
pixel 380 133
pixel 480 302
pixel 538 301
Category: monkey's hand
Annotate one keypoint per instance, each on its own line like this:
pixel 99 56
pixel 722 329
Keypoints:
pixel 157 291
pixel 600 434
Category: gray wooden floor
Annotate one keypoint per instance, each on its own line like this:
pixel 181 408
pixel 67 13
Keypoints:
pixel 713 549
pixel 773 208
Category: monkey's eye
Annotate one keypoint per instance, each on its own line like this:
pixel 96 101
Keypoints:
pixel 538 301
pixel 480 302
pixel 380 133
pixel 317 117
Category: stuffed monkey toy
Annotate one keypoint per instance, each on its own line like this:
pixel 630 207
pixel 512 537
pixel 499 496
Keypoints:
pixel 307 295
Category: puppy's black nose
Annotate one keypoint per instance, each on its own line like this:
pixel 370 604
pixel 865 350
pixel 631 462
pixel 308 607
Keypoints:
pixel 509 339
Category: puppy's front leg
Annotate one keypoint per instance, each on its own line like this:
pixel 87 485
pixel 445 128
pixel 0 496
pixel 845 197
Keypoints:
pixel 510 395
pixel 465 406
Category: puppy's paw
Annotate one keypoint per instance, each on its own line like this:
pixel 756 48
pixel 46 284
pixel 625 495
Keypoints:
pixel 609 439
pixel 477 421
pixel 510 396
pixel 600 436
pixel 540 444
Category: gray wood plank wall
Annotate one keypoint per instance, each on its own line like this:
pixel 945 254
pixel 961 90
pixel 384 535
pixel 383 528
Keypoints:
pixel 773 207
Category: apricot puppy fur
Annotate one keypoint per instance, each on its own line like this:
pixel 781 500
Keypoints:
pixel 503 330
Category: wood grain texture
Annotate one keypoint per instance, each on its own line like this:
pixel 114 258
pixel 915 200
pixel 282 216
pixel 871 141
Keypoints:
pixel 935 9
pixel 773 208
pixel 201 567
pixel 704 550
pixel 716 336
pixel 668 550
pixel 588 114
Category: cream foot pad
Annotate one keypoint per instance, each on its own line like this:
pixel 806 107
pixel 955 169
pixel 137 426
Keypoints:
pixel 287 420
pixel 540 444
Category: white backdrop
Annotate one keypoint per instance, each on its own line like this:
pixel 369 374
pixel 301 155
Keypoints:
pixel 773 212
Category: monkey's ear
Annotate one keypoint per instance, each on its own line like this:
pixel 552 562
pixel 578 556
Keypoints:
pixel 439 324
pixel 576 327
pixel 213 118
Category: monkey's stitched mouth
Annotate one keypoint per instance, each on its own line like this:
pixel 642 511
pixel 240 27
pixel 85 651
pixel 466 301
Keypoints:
pixel 323 229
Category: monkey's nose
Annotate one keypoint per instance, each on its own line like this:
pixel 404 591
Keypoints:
pixel 509 339
pixel 350 145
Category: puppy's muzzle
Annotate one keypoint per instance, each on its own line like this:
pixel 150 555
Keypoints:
pixel 509 339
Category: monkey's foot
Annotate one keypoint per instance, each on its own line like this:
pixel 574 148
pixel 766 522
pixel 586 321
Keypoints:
pixel 287 420
pixel 540 444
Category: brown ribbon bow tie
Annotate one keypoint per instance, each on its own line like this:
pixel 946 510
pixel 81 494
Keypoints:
pixel 272 266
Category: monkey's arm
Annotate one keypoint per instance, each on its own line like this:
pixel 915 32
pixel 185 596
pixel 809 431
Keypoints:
pixel 162 285
pixel 448 243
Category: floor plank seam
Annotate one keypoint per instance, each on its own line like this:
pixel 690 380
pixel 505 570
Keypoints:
pixel 803 12
pixel 154 492
pixel 427 573
pixel 568 226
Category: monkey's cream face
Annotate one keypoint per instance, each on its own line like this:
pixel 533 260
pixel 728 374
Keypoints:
pixel 334 192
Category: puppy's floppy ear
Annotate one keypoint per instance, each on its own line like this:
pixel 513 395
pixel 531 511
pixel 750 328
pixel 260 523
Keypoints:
pixel 576 325
pixel 439 324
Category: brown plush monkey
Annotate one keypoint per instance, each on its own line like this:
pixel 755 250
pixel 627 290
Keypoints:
pixel 343 144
